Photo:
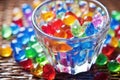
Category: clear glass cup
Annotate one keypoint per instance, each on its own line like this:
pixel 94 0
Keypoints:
pixel 72 55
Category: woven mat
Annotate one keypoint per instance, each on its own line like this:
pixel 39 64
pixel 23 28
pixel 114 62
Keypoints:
pixel 10 70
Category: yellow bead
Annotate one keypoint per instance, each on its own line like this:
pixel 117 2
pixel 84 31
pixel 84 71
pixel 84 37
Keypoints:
pixel 87 14
pixel 114 42
pixel 47 16
pixel 17 13
pixel 37 71
pixel 36 3
pixel 6 51
pixel 69 20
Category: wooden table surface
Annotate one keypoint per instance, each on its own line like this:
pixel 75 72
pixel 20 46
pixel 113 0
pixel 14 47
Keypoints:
pixel 9 70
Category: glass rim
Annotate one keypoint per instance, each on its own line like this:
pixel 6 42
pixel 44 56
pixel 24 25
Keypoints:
pixel 64 39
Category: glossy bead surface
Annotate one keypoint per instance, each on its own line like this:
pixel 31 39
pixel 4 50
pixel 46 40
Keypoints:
pixel 30 52
pixel 5 51
pixel 26 64
pixel 114 42
pixel 101 60
pixel 113 66
pixel 15 28
pixel 48 72
pixel 6 31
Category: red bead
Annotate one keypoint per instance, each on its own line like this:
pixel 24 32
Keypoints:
pixel 118 58
pixel 81 21
pixel 48 29
pixel 48 72
pixel 108 50
pixel 70 13
pixel 56 24
pixel 117 32
pixel 69 34
pixel 17 21
pixel 88 18
pixel 101 76
pixel 26 64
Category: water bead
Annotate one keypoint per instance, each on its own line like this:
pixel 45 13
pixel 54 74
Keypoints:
pixel 48 29
pixel 5 51
pixel 63 59
pixel 113 66
pixel 26 6
pixel 114 24
pixel 41 59
pixel 111 32
pixel 30 52
pixel 15 28
pixel 101 60
pixel 88 18
pixel 48 72
pixel 81 21
pixel 56 24
pixel 60 10
pixel 37 71
pixel 47 16
pixel 60 34
pixel 108 39
pixel 6 31
pixel 108 50
pixel 90 30
pixel 15 44
pixel 69 20
pixel 37 47
pixel 23 38
pixel 19 55
pixel 69 34
pixel 76 29
pixel 97 20
pixel 18 21
pixel 87 45
pixel 70 13
pixel 26 64
pixel 32 41
pixel 116 15
pixel 17 12
pixel 114 42
pixel 87 14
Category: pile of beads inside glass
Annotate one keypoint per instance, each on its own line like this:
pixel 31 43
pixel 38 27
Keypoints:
pixel 29 54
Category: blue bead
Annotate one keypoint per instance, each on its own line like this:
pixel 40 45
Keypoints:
pixel 31 32
pixel 15 44
pixel 19 56
pixel 108 39
pixel 114 24
pixel 15 28
pixel 73 44
pixel 87 45
pixel 23 38
pixel 90 30
pixel 26 6
pixel 61 10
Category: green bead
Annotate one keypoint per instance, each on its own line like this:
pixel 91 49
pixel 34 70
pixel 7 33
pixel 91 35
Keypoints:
pixel 41 59
pixel 6 31
pixel 32 41
pixel 101 60
pixel 60 15
pixel 113 66
pixel 77 29
pixel 116 15
pixel 37 47
pixel 30 52
pixel 111 32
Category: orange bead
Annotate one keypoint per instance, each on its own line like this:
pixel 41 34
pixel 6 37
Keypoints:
pixel 114 42
pixel 6 51
pixel 60 34
pixel 87 14
pixel 69 20
pixel 38 71
pixel 47 16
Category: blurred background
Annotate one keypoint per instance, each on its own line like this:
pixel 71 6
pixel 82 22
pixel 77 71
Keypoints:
pixel 10 70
